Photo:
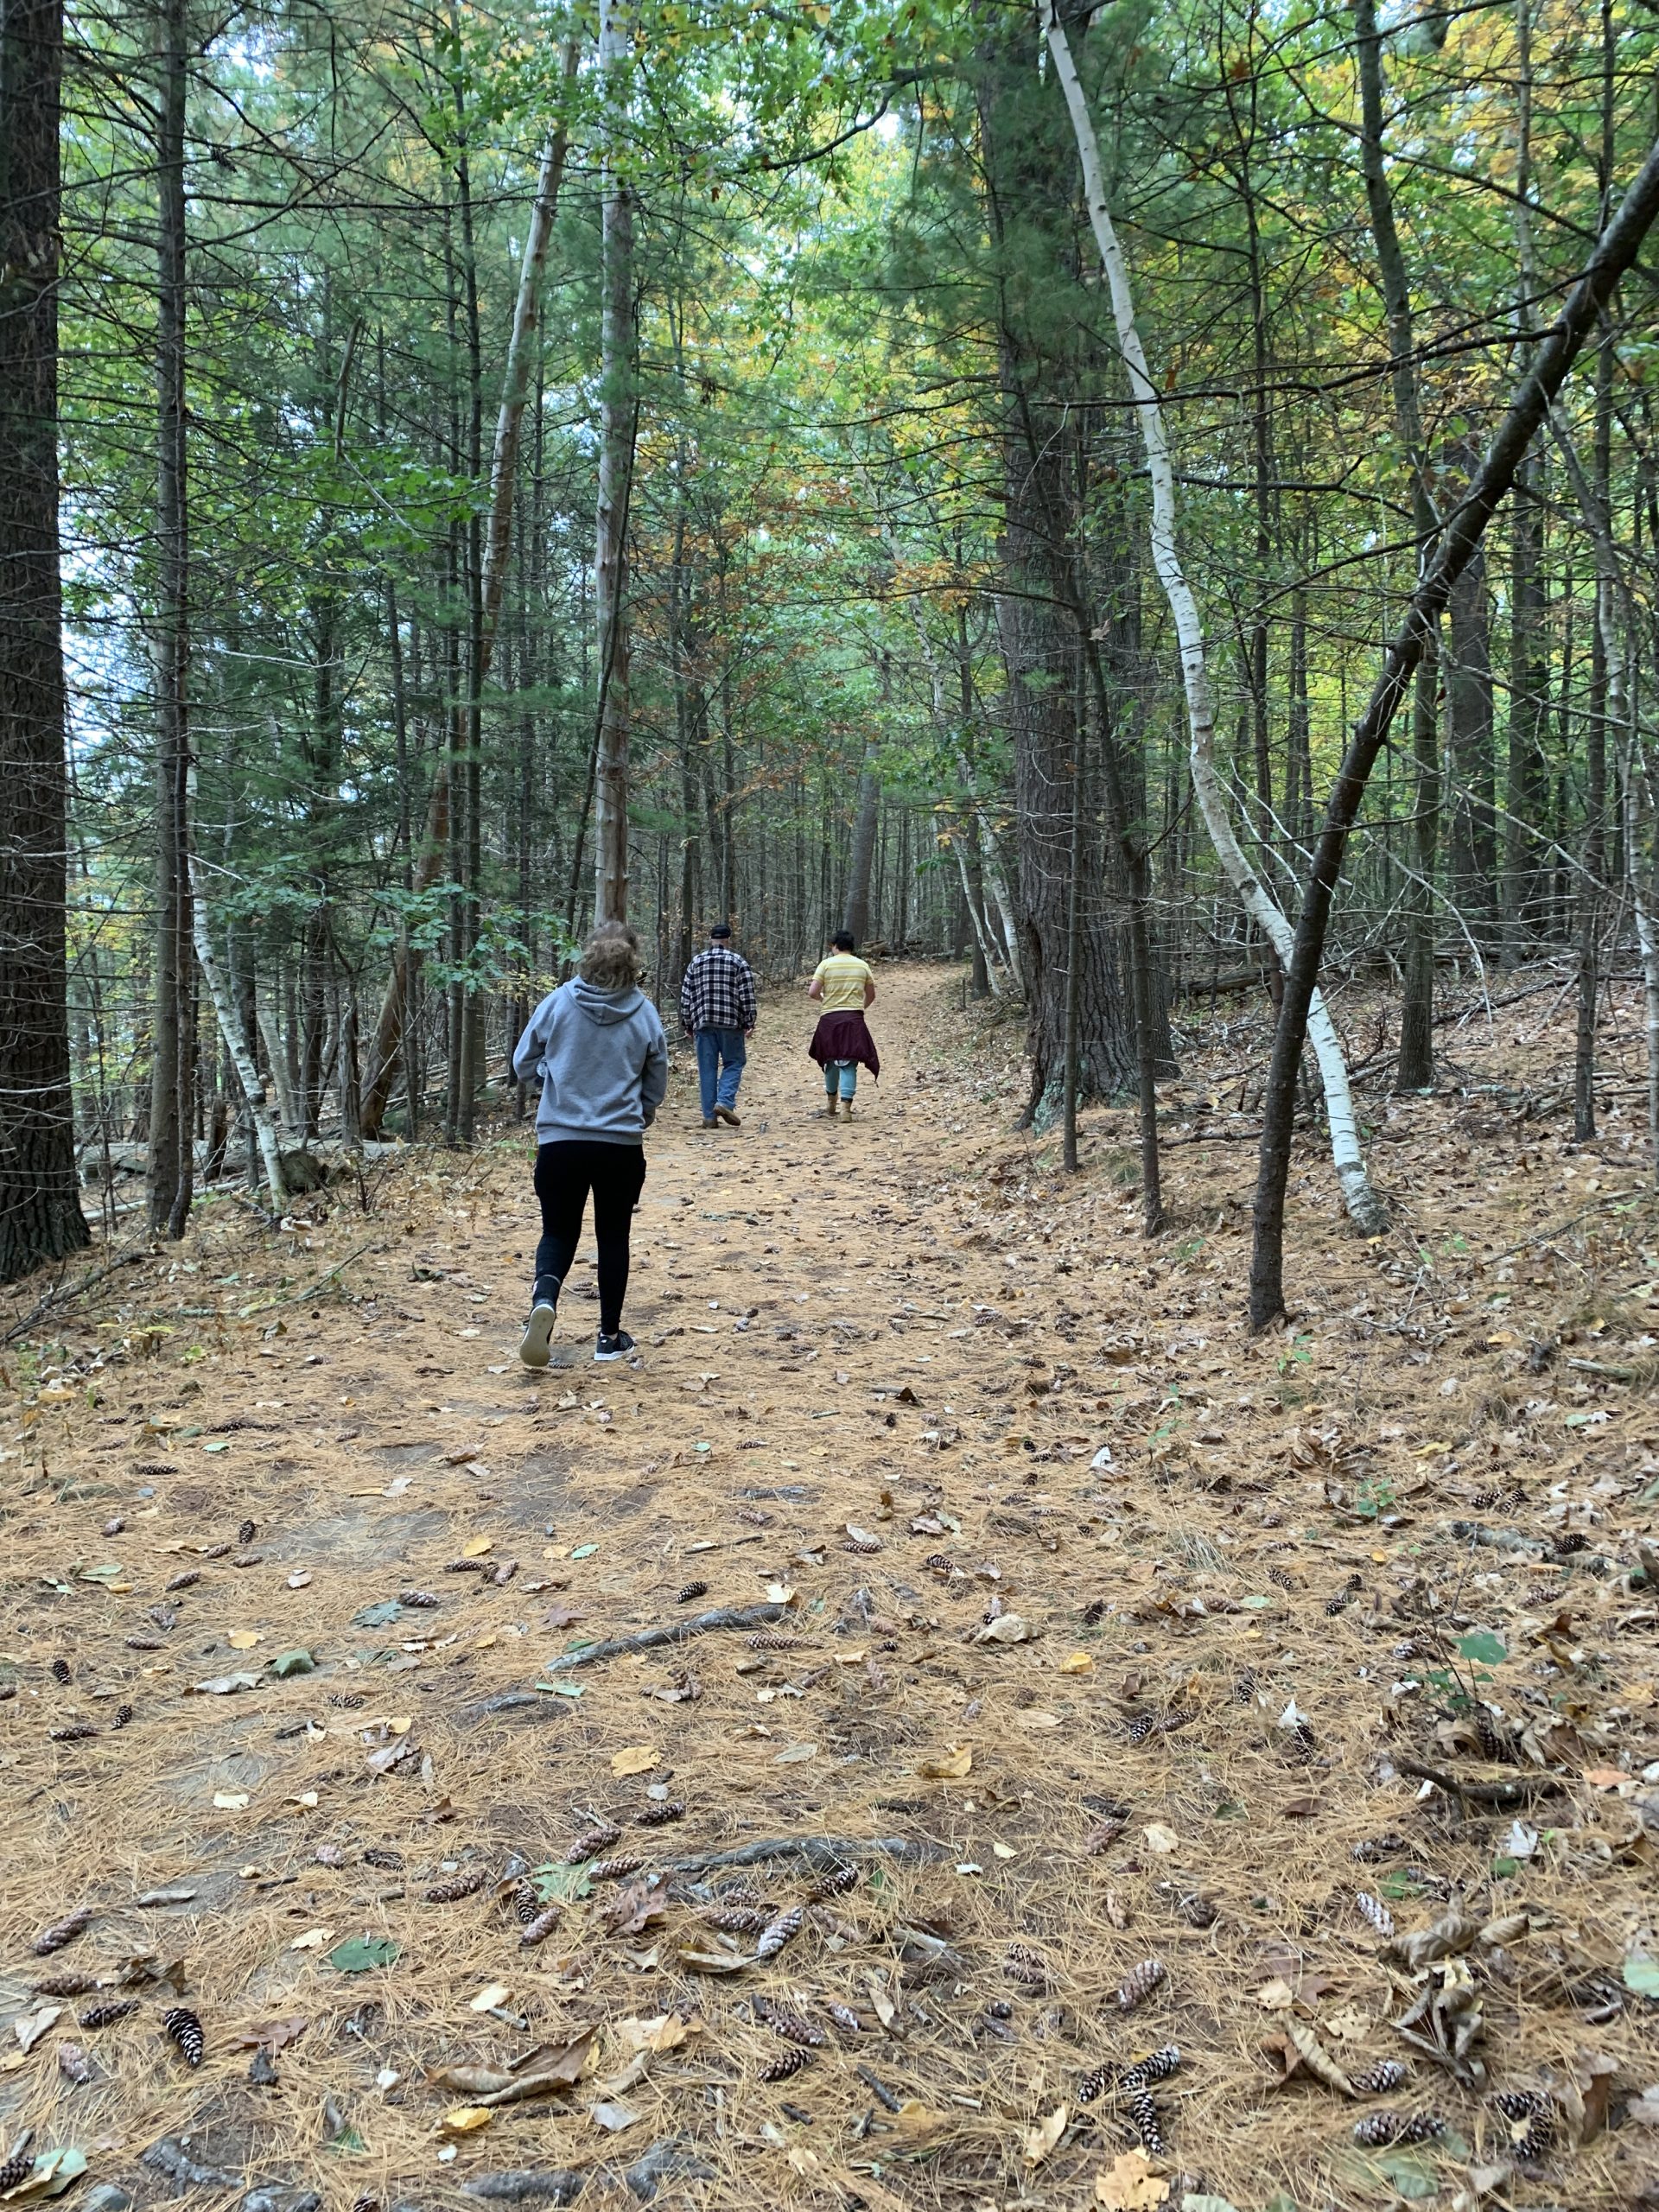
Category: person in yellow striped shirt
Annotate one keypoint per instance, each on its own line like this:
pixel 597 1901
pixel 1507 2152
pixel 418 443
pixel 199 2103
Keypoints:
pixel 842 984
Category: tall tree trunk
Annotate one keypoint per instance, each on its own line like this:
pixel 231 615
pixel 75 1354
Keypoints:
pixel 856 907
pixel 1616 248
pixel 1364 1207
pixel 1414 1069
pixel 172 1088
pixel 1469 717
pixel 616 426
pixel 39 1204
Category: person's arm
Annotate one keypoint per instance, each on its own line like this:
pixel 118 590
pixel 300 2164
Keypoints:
pixel 653 1083
pixel 687 1002
pixel 747 1001
pixel 532 1041
pixel 869 988
pixel 815 988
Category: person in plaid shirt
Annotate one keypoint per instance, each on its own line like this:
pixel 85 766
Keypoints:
pixel 717 1009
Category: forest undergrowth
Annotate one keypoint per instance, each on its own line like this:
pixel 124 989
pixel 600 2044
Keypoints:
pixel 1087 1679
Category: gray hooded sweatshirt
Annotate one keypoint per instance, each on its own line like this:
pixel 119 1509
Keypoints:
pixel 603 1061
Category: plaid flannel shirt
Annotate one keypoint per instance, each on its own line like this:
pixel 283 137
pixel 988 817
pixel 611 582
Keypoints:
pixel 718 991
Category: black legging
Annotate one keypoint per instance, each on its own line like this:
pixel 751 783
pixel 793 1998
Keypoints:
pixel 565 1173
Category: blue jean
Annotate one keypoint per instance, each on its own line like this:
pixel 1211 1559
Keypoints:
pixel 721 1055
pixel 847 1070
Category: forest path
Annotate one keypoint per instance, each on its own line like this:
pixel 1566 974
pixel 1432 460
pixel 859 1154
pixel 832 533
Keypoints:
pixel 912 1326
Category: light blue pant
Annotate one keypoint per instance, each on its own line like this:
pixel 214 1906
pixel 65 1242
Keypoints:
pixel 848 1072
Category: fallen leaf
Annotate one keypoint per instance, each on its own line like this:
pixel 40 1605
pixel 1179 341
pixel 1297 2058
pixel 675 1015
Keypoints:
pixel 712 1961
pixel 948 1766
pixel 30 2027
pixel 465 2119
pixel 270 2035
pixel 243 1639
pixel 916 2120
pixel 475 1547
pixel 230 1800
pixel 1275 1995
pixel 1640 1974
pixel 1007 1628
pixel 794 1754
pixel 469 2080
pixel 614 2117
pixel 1004 1850
pixel 1644 2109
pixel 1077 1663
pixel 1160 1838
pixel 1034 1719
pixel 781 1594
pixel 223 1685
pixel 313 1939
pixel 633 1758
pixel 1041 2139
pixel 494 1993
pixel 359 1952
pixel 1128 2184
pixel 1607 1778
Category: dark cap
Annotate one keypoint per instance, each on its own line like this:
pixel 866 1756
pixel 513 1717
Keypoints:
pixel 720 929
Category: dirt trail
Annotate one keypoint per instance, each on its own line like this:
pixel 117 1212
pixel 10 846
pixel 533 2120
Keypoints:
pixel 894 1383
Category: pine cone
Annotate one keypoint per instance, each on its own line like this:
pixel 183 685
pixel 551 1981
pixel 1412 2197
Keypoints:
pixel 834 1883
pixel 657 1816
pixel 1534 2115
pixel 1095 2083
pixel 466 1884
pixel 589 1846
pixel 106 2015
pixel 181 2026
pixel 525 1903
pixel 778 1931
pixel 187 1580
pixel 74 2064
pixel 60 1673
pixel 785 2063
pixel 1102 1838
pixel 1376 1912
pixel 144 1644
pixel 64 1984
pixel 939 1563
pixel 1380 2129
pixel 123 1717
pixel 1337 1604
pixel 418 1600
pixel 1378 2081
pixel 77 1732
pixel 18 2167
pixel 1156 2066
pixel 539 1930
pixel 1139 1983
pixel 468 1567
pixel 1195 1910
pixel 843 2015
pixel 215 1551
pixel 1143 1726
pixel 346 1700
pixel 614 1870
pixel 766 1642
pixel 1144 2113
pixel 1024 1964
pixel 1285 1582
pixel 246 1533
pixel 794 2027
pixel 382 1854
pixel 63 1931
pixel 866 1547
pixel 1370 1849
pixel 735 1919
pixel 691 1591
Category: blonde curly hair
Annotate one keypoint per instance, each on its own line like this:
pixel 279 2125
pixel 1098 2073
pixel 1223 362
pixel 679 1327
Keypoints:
pixel 610 959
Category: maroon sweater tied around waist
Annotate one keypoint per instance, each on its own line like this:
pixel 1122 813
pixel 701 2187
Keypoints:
pixel 845 1036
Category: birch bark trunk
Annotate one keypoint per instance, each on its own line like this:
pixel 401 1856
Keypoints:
pixel 1363 1205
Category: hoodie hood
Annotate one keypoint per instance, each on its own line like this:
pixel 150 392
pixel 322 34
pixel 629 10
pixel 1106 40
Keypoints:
pixel 606 1007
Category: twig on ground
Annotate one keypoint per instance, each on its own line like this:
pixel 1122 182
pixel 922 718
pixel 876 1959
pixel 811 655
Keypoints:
pixel 649 1639
pixel 61 1294
pixel 310 1290
pixel 1520 1791
pixel 879 2090
pixel 822 1850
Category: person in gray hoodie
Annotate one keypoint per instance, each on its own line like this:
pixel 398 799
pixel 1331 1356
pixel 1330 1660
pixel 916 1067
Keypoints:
pixel 597 1044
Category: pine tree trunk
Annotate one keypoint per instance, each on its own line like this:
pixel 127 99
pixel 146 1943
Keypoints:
pixel 610 772
pixel 171 1170
pixel 39 1204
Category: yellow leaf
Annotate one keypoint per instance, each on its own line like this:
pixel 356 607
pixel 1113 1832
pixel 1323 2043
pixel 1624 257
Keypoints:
pixel 313 1939
pixel 781 1594
pixel 915 2119
pixel 1041 2139
pixel 1080 1662
pixel 950 1766
pixel 1003 1850
pixel 475 1547
pixel 667 2031
pixel 496 1993
pixel 1428 1451
pixel 243 1639
pixel 230 1800
pixel 1128 2184
pixel 1160 1838
pixel 633 1758
pixel 463 2118
pixel 1033 1719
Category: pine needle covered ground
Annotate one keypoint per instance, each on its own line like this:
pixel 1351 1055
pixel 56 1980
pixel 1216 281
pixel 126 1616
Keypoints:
pixel 1095 1665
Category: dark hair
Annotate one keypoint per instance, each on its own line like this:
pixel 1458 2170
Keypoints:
pixel 842 940
pixel 720 929
pixel 610 959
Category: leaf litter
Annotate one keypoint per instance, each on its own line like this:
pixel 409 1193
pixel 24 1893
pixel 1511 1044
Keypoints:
pixel 1417 1522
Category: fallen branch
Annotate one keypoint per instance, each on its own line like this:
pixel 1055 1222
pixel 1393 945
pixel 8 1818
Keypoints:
pixel 822 1850
pixel 1520 1791
pixel 524 2184
pixel 61 1295
pixel 299 1297
pixel 652 1639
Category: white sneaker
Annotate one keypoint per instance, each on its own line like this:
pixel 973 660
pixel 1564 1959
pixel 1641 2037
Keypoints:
pixel 538 1331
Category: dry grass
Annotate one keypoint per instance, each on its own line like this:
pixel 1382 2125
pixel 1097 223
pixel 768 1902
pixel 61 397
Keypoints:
pixel 928 1249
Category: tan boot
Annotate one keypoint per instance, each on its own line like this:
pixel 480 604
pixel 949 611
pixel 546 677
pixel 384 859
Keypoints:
pixel 829 1109
pixel 848 1104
